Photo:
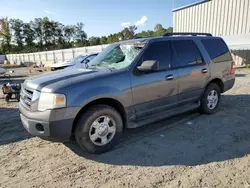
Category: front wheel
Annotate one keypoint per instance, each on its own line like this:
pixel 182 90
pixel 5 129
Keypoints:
pixel 99 129
pixel 7 97
pixel 210 99
pixel 18 97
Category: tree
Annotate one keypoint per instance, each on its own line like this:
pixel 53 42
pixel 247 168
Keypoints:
pixel 94 41
pixel 132 29
pixel 169 30
pixel 48 31
pixel 69 32
pixel 43 33
pixel 103 40
pixel 17 27
pixel 127 34
pixel 28 34
pixel 80 33
pixel 58 34
pixel 37 27
pixel 159 30
pixel 5 34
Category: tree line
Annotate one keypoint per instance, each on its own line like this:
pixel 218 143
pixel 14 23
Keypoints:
pixel 43 34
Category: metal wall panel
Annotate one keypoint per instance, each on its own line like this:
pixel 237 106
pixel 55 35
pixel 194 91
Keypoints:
pixel 219 17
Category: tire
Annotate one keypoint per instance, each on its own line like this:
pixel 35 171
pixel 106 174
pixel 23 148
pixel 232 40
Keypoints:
pixel 205 106
pixel 84 129
pixel 18 97
pixel 7 98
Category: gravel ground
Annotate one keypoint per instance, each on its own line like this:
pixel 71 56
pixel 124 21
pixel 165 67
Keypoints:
pixel 190 150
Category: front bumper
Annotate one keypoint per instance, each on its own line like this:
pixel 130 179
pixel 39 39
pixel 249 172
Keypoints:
pixel 54 125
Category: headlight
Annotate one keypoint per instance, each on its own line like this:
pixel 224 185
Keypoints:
pixel 51 101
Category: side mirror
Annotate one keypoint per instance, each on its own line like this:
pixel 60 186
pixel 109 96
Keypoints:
pixel 149 66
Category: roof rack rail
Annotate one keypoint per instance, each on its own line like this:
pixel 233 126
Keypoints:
pixel 192 34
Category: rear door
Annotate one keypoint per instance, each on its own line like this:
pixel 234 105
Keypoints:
pixel 192 70
pixel 157 91
pixel 221 59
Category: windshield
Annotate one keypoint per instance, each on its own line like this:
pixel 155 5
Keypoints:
pixel 117 56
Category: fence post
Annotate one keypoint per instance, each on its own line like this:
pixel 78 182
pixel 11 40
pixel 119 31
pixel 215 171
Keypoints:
pixel 46 56
pixel 73 53
pixel 54 57
pixel 40 63
pixel 86 51
pixel 62 55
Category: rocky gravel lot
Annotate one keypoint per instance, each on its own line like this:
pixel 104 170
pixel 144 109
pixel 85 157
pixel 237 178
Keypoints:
pixel 190 150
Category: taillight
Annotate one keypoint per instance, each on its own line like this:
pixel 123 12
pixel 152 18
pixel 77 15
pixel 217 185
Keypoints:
pixel 232 69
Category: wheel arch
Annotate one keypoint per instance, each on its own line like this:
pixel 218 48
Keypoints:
pixel 219 82
pixel 104 101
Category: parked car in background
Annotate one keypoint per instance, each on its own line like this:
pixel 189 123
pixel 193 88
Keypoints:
pixel 85 63
pixel 2 70
pixel 129 84
pixel 78 62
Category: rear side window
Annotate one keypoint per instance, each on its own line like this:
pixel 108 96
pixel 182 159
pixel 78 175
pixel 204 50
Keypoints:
pixel 187 53
pixel 160 51
pixel 217 50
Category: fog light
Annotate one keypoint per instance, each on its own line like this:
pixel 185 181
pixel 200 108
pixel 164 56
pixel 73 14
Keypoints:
pixel 39 127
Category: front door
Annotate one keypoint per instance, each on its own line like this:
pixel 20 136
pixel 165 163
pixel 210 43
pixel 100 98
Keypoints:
pixel 192 70
pixel 155 92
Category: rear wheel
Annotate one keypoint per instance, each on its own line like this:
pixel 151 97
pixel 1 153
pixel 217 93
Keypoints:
pixel 210 99
pixel 99 129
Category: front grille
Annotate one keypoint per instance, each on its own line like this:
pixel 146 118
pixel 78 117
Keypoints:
pixel 26 97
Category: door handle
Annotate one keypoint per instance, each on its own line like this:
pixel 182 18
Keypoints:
pixel 169 77
pixel 204 70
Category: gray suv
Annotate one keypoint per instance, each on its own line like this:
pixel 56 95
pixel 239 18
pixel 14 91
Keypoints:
pixel 129 84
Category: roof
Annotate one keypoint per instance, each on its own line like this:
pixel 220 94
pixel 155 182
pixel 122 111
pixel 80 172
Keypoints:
pixel 190 5
pixel 146 39
pixel 233 41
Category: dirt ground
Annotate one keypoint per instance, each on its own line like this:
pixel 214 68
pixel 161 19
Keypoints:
pixel 190 150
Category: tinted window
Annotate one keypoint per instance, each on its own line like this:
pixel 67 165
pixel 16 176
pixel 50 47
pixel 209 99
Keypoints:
pixel 217 50
pixel 187 53
pixel 159 51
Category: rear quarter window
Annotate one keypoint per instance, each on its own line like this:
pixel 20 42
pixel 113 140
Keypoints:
pixel 217 50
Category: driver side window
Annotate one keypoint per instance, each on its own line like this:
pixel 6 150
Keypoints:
pixel 161 52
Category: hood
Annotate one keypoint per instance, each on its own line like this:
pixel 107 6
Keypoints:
pixel 63 64
pixel 52 81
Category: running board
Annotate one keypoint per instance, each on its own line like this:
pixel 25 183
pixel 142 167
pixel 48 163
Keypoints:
pixel 163 115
